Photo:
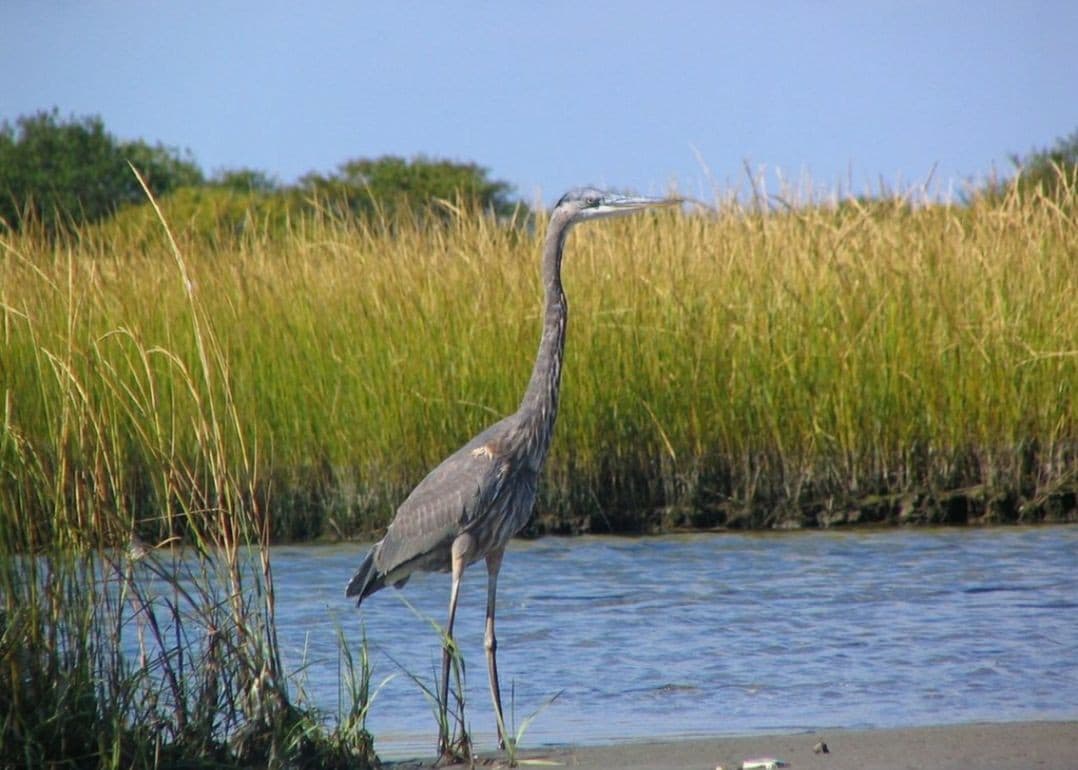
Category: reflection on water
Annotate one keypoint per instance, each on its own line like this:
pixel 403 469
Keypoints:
pixel 708 634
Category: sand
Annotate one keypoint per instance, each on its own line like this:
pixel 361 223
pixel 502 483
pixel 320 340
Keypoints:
pixel 1008 746
pixel 969 747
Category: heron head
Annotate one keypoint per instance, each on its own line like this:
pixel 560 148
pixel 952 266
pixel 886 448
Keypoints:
pixel 586 203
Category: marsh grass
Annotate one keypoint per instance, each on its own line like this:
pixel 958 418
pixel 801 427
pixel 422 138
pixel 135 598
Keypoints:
pixel 515 736
pixel 454 745
pixel 782 365
pixel 115 650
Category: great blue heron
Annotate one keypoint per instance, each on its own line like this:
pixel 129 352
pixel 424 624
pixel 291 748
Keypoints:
pixel 480 496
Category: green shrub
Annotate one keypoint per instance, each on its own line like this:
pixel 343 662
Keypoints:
pixel 58 173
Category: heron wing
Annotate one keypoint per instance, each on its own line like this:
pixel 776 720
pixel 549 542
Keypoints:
pixel 441 507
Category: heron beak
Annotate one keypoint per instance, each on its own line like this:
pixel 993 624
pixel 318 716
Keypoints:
pixel 617 205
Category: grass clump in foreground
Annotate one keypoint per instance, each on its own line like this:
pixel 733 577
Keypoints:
pixel 115 653
pixel 806 366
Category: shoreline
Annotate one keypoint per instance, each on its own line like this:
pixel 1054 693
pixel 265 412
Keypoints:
pixel 984 746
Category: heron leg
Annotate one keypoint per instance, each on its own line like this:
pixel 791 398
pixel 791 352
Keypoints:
pixel 462 548
pixel 490 642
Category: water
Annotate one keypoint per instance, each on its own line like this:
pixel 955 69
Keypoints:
pixel 687 636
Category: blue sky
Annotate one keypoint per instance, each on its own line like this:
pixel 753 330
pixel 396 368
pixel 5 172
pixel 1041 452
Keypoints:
pixel 630 95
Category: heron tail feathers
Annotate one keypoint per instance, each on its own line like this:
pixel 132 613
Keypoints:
pixel 366 581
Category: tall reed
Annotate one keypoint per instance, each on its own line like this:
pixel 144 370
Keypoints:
pixel 784 366
pixel 119 424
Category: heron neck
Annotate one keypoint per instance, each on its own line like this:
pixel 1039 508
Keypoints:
pixel 540 404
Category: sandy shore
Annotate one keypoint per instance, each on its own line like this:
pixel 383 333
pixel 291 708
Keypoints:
pixel 1009 746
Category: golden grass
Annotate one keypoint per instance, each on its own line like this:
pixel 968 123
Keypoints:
pixel 742 368
pixel 114 651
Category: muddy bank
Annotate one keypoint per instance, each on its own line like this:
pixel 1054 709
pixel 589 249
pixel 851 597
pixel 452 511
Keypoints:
pixel 977 505
pixel 334 506
pixel 1007 746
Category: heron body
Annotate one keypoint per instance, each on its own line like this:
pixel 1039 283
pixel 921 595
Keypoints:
pixel 472 504
pixel 485 490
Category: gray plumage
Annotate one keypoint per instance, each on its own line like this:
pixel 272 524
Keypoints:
pixel 472 504
pixel 486 488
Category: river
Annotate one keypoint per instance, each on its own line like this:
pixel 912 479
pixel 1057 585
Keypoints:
pixel 710 634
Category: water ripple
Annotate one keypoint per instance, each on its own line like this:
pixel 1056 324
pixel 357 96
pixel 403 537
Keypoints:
pixel 725 633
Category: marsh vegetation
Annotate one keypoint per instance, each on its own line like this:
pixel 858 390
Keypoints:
pixel 804 366
pixel 875 361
